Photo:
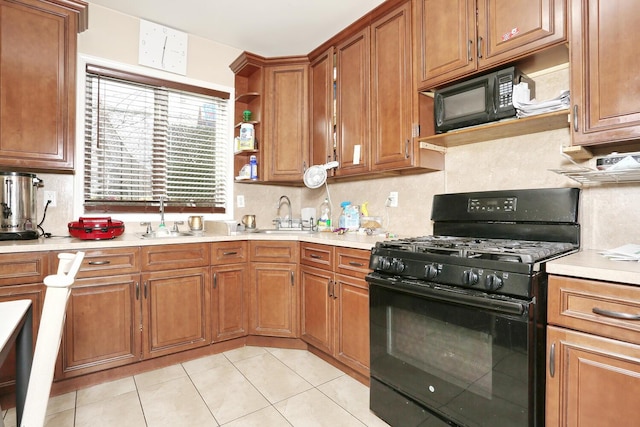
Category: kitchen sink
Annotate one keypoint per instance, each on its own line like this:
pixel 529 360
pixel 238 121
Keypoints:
pixel 166 234
pixel 283 231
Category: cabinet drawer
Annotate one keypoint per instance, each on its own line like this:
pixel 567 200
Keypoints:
pixel 316 255
pixel 229 252
pixel 22 268
pixel 105 262
pixel 274 251
pixel 607 309
pixel 353 262
pixel 169 257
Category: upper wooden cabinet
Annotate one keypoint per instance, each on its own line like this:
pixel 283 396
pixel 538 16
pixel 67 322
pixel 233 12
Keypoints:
pixel 456 38
pixel 37 83
pixel 276 91
pixel 321 108
pixel 352 104
pixel 603 66
pixel 286 136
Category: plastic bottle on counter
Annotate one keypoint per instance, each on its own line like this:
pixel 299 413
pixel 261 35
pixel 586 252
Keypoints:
pixel 253 165
pixel 349 217
pixel 324 220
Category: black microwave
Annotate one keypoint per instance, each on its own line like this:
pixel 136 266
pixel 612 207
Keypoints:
pixel 483 99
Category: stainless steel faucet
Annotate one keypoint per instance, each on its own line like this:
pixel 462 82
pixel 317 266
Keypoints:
pixel 288 202
pixel 161 212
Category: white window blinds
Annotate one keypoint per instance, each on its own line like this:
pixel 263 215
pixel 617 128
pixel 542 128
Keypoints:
pixel 147 139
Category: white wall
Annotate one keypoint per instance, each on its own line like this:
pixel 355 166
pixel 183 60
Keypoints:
pixel 607 215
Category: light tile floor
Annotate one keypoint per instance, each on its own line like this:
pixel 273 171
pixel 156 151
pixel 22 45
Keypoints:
pixel 248 386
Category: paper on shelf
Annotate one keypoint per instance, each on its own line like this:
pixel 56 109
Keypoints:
pixel 628 252
pixel 525 108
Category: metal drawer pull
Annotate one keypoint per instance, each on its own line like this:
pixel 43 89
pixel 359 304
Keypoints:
pixel 329 288
pixel 315 256
pixel 615 314
pixel 575 117
pixel 479 47
pixel 230 253
pixel 469 50
pixel 552 360
pixel 215 280
pixel 356 264
pixel 99 262
pixel 137 291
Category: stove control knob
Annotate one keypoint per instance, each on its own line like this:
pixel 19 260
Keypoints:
pixel 398 265
pixel 430 271
pixel 492 282
pixel 384 263
pixel 470 277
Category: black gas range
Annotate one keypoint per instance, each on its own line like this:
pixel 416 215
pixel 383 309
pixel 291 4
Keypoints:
pixel 458 319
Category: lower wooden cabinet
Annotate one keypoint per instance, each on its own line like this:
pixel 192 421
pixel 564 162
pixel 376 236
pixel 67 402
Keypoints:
pixel 335 305
pixel 274 289
pixel 102 328
pixel 175 311
pixel 230 290
pixel 593 345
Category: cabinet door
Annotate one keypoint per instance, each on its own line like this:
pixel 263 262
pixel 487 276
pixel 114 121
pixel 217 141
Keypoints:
pixel 604 71
pixel 595 383
pixel 37 83
pixel 274 300
pixel 230 302
pixel 321 104
pixel 352 322
pixel 392 93
pixel 286 144
pixel 175 311
pixel 352 104
pixel 317 307
pixel 102 329
pixel 35 293
pixel 508 29
pixel 446 40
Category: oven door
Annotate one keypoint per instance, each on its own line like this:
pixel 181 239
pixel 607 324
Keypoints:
pixel 441 353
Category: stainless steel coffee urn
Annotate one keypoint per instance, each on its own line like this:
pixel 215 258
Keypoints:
pixel 18 220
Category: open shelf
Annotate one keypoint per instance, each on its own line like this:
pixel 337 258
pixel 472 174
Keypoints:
pixel 502 129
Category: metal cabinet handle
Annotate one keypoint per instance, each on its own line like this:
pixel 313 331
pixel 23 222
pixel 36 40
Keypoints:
pixel 329 282
pixel 107 262
pixel 315 256
pixel 479 47
pixel 406 149
pixel 292 281
pixel 333 289
pixel 552 360
pixel 137 291
pixel 215 280
pixel 229 253
pixel 615 314
pixel 575 117
pixel 356 264
pixel 145 289
pixel 469 45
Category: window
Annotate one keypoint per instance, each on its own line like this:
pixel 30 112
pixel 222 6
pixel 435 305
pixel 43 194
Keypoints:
pixel 147 139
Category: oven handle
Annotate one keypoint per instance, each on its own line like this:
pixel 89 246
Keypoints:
pixel 441 294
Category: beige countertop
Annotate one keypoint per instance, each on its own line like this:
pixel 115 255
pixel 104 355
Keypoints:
pixel 350 240
pixel 589 264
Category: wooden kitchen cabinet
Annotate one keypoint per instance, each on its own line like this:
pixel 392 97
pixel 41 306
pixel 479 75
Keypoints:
pixel 37 83
pixel 335 303
pixel 392 90
pixel 175 297
pixel 286 138
pixel 603 65
pixel 353 125
pixel 230 290
pixel 21 276
pixel 274 292
pixel 102 327
pixel 457 38
pixel 321 108
pixel 593 372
